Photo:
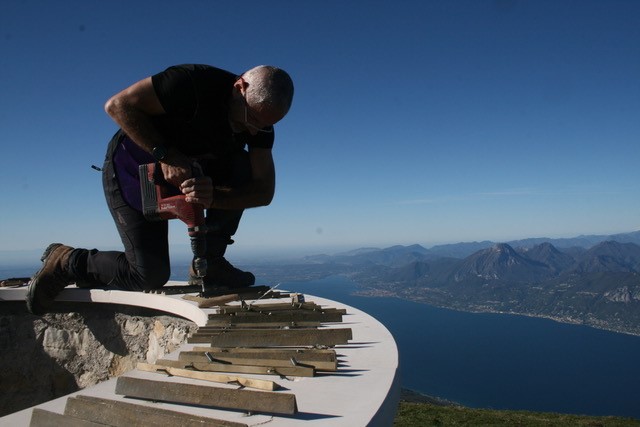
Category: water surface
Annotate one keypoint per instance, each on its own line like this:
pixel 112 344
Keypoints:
pixel 502 361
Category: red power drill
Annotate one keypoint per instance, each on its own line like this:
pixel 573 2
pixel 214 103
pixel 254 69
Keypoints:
pixel 162 201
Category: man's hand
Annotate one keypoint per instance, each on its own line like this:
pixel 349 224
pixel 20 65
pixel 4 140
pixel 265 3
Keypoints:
pixel 176 168
pixel 198 190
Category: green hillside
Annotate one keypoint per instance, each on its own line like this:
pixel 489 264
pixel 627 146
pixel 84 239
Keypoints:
pixel 412 414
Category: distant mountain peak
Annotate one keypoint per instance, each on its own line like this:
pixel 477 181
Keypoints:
pixel 407 249
pixel 549 255
pixel 610 256
pixel 501 262
pixel 503 248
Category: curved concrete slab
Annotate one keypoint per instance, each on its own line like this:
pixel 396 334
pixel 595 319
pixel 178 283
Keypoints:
pixel 363 392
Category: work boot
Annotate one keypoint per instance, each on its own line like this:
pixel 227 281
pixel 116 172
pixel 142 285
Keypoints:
pixel 221 274
pixel 50 280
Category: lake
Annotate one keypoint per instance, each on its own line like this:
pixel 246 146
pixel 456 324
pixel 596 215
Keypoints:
pixel 502 361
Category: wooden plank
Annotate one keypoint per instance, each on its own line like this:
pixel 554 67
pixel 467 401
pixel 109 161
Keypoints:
pixel 199 339
pixel 214 301
pixel 209 376
pixel 264 325
pixel 227 309
pixel 277 316
pixel 175 290
pixel 276 307
pixel 14 282
pixel 252 312
pixel 274 337
pixel 216 292
pixel 276 363
pixel 43 418
pixel 217 297
pixel 289 371
pixel 244 400
pixel 259 359
pixel 125 414
pixel 309 353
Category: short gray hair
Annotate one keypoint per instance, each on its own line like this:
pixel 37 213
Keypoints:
pixel 269 86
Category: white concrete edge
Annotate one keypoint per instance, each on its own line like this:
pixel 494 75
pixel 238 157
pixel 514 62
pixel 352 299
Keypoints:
pixel 173 304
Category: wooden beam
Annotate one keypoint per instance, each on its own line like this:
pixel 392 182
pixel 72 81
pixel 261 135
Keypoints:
pixel 14 282
pixel 311 353
pixel 218 297
pixel 260 290
pixel 175 290
pixel 276 316
pixel 124 414
pixel 248 310
pixel 292 371
pixel 274 337
pixel 244 400
pixel 272 308
pixel 43 418
pixel 215 325
pixel 209 376
pixel 272 359
pixel 211 302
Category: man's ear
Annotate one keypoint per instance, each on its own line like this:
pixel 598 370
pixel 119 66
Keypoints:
pixel 241 85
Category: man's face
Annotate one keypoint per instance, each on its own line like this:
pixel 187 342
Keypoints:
pixel 245 117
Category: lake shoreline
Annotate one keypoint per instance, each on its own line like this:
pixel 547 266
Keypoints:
pixel 377 293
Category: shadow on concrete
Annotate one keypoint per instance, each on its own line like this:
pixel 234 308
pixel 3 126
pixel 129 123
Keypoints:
pixel 72 346
pixel 29 376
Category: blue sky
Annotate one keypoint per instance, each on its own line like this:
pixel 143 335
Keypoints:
pixel 414 121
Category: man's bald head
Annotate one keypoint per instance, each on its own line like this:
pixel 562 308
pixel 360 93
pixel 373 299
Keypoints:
pixel 269 89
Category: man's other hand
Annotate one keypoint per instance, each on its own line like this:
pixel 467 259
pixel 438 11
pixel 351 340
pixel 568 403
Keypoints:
pixel 198 190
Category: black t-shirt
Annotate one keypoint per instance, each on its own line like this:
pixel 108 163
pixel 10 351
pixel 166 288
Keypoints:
pixel 196 98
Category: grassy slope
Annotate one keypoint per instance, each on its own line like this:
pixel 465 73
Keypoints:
pixel 427 414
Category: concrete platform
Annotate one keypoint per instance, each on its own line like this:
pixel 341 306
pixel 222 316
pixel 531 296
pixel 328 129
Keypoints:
pixel 363 392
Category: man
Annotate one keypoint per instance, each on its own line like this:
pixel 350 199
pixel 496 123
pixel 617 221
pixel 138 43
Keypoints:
pixel 184 117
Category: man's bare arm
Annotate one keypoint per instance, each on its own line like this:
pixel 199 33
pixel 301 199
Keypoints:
pixel 258 192
pixel 132 109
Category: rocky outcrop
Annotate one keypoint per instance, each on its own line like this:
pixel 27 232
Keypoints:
pixel 623 294
pixel 77 346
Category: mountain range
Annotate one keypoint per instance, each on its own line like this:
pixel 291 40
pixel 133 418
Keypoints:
pixel 591 280
pixel 464 249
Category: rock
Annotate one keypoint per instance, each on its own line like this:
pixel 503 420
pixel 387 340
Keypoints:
pixel 78 346
pixel 619 295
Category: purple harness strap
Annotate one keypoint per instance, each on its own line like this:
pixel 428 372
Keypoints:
pixel 127 157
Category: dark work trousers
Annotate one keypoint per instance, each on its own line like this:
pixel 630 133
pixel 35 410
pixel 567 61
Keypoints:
pixel 144 264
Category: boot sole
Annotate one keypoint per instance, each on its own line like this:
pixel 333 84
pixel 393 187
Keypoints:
pixel 34 307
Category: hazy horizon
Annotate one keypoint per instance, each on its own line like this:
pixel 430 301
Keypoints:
pixel 181 253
